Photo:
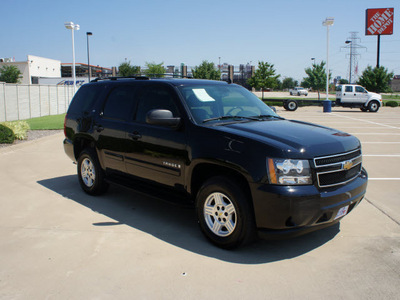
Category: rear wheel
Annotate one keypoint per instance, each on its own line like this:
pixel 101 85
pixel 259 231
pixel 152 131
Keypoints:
pixel 224 213
pixel 90 173
pixel 363 109
pixel 291 105
pixel 373 106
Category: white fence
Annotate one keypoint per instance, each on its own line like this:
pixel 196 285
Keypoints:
pixel 20 102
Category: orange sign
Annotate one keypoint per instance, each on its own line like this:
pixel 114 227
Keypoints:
pixel 379 21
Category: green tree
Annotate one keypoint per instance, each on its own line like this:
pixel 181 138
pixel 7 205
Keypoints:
pixel 289 83
pixel 10 74
pixel 155 70
pixel 206 70
pixel 264 77
pixel 316 78
pixel 376 79
pixel 126 69
pixel 343 81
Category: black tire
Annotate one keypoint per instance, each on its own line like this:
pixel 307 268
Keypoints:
pixel 373 106
pixel 224 213
pixel 363 109
pixel 291 105
pixel 90 173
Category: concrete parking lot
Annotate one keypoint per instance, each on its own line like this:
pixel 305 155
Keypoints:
pixel 59 243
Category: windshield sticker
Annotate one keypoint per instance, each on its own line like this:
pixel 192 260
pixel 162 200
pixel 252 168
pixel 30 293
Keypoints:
pixel 202 95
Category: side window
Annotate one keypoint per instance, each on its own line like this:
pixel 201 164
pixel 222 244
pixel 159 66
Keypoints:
pixel 155 97
pixel 119 103
pixel 349 89
pixel 360 89
pixel 84 99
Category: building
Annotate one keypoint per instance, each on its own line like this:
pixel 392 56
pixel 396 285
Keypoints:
pixel 34 68
pixel 81 70
pixel 395 83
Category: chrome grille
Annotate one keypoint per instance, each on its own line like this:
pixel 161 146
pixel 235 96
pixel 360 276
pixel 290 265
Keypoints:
pixel 338 169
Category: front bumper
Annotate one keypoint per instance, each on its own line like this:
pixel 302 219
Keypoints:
pixel 295 210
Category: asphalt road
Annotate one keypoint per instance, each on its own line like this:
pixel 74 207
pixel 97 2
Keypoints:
pixel 59 243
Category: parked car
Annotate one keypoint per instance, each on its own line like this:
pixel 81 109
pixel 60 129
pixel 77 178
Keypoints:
pixel 219 148
pixel 350 95
pixel 298 91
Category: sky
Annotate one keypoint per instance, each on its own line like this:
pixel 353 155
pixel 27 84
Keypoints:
pixel 285 33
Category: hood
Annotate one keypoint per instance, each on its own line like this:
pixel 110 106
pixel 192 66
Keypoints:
pixel 374 95
pixel 294 139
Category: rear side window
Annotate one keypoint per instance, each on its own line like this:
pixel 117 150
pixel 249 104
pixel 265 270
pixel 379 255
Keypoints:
pixel 349 89
pixel 119 103
pixel 85 99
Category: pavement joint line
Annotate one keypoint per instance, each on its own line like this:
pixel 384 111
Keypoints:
pixel 382 211
pixel 377 133
pixel 367 121
pixel 381 142
pixel 381 155
pixel 383 179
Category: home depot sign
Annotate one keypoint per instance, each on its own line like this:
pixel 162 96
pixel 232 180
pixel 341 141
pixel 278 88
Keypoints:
pixel 379 21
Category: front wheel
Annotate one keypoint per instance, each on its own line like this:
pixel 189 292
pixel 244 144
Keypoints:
pixel 90 173
pixel 373 106
pixel 224 213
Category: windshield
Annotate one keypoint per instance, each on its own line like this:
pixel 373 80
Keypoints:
pixel 210 103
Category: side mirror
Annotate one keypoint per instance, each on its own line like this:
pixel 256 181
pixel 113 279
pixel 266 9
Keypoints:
pixel 162 117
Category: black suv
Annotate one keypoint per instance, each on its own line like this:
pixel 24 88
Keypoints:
pixel 219 147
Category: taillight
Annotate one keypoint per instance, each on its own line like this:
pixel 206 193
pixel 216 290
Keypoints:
pixel 65 123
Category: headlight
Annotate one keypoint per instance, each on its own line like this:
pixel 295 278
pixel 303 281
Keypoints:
pixel 289 171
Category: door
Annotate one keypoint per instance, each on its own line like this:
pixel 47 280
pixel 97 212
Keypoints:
pixel 348 95
pixel 361 94
pixel 110 127
pixel 156 153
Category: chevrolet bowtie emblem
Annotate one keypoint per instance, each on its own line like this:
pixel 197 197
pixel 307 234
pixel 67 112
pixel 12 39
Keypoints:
pixel 347 165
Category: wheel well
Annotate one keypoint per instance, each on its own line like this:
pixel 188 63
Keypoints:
pixel 203 172
pixel 80 144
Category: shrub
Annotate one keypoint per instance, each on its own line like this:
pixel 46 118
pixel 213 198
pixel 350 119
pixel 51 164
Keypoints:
pixel 392 103
pixel 19 128
pixel 6 135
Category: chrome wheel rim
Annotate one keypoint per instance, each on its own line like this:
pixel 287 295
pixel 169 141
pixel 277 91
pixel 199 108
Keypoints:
pixel 220 214
pixel 374 106
pixel 88 172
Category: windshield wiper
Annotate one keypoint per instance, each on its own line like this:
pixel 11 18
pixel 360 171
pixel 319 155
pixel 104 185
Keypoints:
pixel 231 117
pixel 268 116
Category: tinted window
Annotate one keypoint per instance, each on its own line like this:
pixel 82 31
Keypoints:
pixel 84 99
pixel 155 97
pixel 349 88
pixel 119 103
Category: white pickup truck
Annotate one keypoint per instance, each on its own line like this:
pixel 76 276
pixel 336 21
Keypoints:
pixel 298 91
pixel 350 95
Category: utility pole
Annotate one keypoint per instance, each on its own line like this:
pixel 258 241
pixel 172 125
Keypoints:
pixel 353 45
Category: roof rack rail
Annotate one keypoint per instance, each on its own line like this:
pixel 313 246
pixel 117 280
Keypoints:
pixel 137 77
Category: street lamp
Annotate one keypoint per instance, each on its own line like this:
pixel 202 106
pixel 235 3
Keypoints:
pixel 88 57
pixel 328 22
pixel 351 56
pixel 73 27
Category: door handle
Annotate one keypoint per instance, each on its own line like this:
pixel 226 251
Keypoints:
pixel 98 128
pixel 135 135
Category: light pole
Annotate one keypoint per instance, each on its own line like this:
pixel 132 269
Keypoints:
pixel 328 22
pixel 73 27
pixel 351 56
pixel 88 56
